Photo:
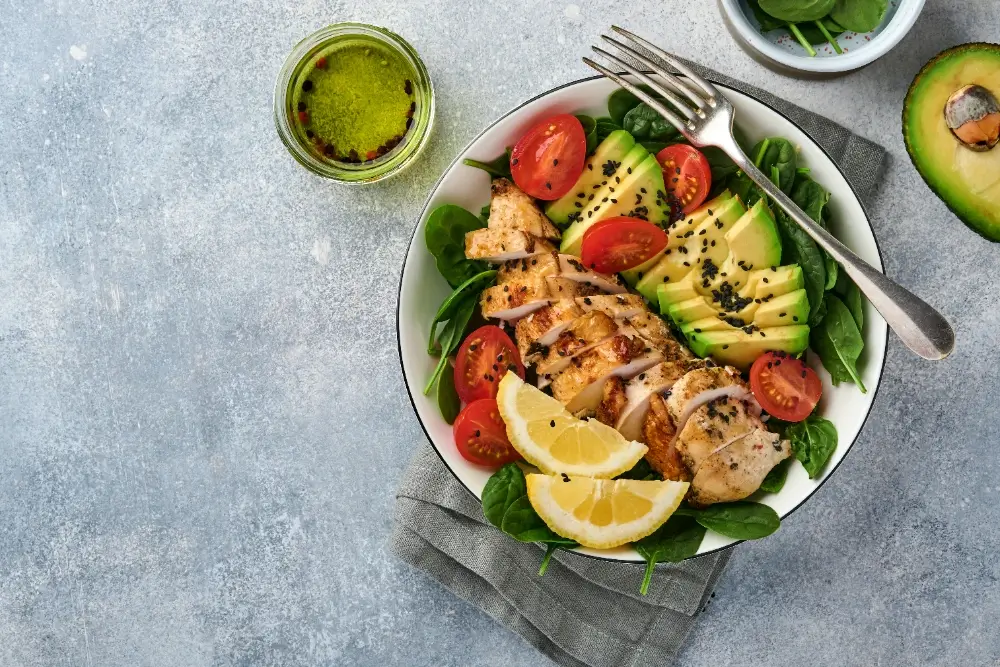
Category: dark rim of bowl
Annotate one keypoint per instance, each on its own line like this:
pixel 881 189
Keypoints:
pixel 423 211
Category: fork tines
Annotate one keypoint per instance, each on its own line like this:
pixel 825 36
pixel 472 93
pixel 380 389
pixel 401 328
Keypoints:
pixel 698 94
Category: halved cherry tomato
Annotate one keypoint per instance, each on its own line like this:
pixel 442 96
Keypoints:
pixel 483 359
pixel 785 386
pixel 687 174
pixel 548 160
pixel 481 436
pixel 618 244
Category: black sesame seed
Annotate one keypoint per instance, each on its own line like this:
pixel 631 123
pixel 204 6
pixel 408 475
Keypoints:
pixel 307 85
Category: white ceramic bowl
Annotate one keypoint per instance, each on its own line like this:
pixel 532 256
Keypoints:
pixel 782 49
pixel 422 289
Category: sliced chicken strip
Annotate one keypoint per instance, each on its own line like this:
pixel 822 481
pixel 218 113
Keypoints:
pixel 584 333
pixel 501 245
pixel 655 330
pixel 712 427
pixel 564 288
pixel 515 299
pixel 541 328
pixel 616 305
pixel 511 208
pixel 702 385
pixel 536 266
pixel 640 389
pixel 737 470
pixel 612 401
pixel 570 267
pixel 581 385
pixel 659 435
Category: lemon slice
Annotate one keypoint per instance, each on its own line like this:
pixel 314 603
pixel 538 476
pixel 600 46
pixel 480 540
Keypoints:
pixel 552 439
pixel 603 513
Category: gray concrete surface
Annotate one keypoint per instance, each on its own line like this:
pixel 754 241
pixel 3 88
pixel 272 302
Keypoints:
pixel 202 418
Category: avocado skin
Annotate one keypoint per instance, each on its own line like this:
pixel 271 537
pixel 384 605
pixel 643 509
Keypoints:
pixel 984 227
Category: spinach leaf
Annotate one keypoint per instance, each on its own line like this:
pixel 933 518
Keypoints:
pixel 779 153
pixel 451 335
pixel 653 146
pixel 742 520
pixel 813 32
pixel 620 103
pixel 474 285
pixel 484 215
pixel 642 471
pixel 721 164
pixel 852 298
pixel 497 168
pixel 447 397
pixel 774 482
pixel 445 239
pixel 589 131
pixel 677 539
pixel 797 11
pixel 859 15
pixel 798 248
pixel 522 522
pixel 838 343
pixel 502 488
pixel 644 122
pixel 741 186
pixel 812 198
pixel 813 443
pixel 604 127
pixel 766 21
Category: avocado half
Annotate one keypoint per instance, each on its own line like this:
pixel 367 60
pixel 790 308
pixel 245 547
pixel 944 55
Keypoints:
pixel 951 125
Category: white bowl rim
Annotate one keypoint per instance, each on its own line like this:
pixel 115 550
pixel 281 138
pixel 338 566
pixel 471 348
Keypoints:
pixel 465 149
pixel 898 27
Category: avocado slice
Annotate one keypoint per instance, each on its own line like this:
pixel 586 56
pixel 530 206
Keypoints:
pixel 606 161
pixel 763 285
pixel 633 275
pixel 738 348
pixel 693 247
pixel 951 126
pixel 634 191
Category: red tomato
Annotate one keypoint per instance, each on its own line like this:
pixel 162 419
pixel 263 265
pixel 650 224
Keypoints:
pixel 548 160
pixel 482 361
pixel 687 174
pixel 618 244
pixel 784 386
pixel 481 436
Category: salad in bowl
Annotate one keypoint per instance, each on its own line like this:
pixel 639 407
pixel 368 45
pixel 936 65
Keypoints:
pixel 637 348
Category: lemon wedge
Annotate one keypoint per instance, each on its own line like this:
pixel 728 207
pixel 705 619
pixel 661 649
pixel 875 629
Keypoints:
pixel 603 513
pixel 555 441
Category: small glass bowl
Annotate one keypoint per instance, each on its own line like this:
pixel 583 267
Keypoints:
pixel 395 160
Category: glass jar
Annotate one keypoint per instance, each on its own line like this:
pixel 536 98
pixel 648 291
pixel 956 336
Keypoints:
pixel 302 131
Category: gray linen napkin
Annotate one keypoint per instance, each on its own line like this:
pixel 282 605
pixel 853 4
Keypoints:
pixel 584 612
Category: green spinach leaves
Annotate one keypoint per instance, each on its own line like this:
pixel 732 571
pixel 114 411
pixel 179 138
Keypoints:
pixel 644 122
pixel 838 342
pixel 497 168
pixel 675 540
pixel 814 441
pixel 859 15
pixel 445 238
pixel 797 11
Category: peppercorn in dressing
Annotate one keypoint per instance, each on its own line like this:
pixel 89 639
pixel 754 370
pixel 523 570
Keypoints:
pixel 354 102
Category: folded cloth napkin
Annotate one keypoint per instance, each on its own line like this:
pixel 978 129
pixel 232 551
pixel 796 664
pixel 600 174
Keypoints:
pixel 584 611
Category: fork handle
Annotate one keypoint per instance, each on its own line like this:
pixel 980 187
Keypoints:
pixel 918 325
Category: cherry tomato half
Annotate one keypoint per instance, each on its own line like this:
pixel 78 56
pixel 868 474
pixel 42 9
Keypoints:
pixel 481 436
pixel 483 359
pixel 687 174
pixel 548 160
pixel 785 386
pixel 618 244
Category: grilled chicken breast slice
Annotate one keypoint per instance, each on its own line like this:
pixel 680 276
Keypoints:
pixel 511 208
pixel 541 328
pixel 515 299
pixel 702 385
pixel 564 288
pixel 612 401
pixel 640 389
pixel 737 470
pixel 501 245
pixel 580 386
pixel 655 330
pixel 570 267
pixel 618 306
pixel 582 334
pixel 712 427
pixel 660 437
pixel 541 265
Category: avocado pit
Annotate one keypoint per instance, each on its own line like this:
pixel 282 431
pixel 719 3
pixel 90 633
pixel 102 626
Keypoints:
pixel 973 116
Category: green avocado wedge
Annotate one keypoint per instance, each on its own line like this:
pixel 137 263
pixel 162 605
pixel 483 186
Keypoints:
pixel 951 126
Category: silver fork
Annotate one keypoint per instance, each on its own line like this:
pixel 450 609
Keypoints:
pixel 705 117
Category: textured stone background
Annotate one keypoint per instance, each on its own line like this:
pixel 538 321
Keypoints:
pixel 202 419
